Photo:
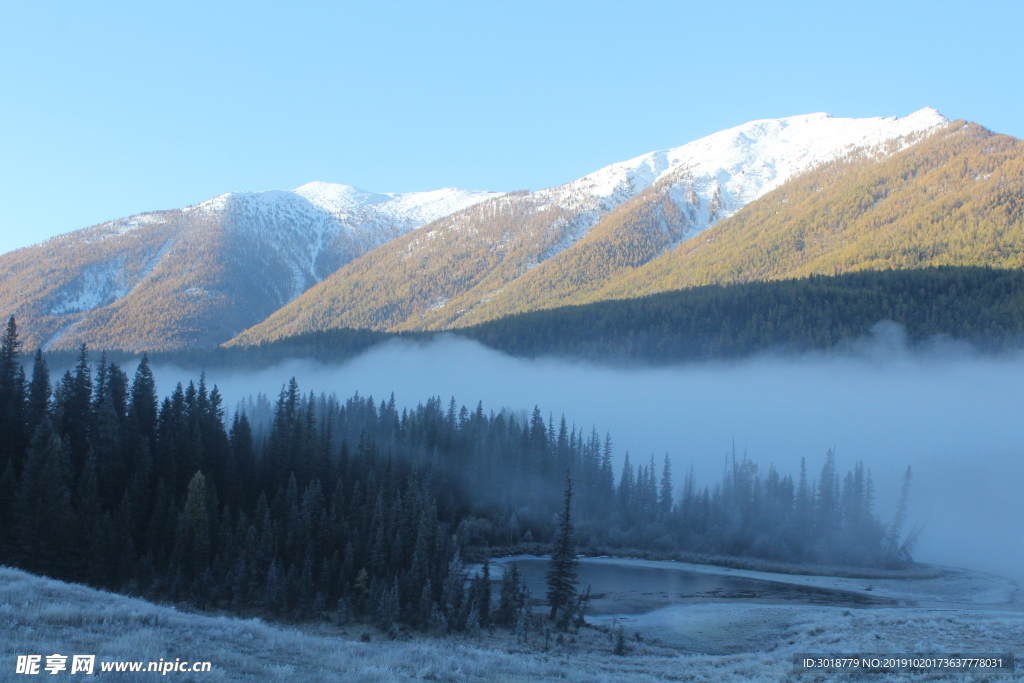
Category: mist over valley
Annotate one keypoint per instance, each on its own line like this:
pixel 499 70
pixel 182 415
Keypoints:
pixel 951 414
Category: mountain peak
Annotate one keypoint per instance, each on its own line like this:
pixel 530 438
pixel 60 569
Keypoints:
pixel 929 112
pixel 751 159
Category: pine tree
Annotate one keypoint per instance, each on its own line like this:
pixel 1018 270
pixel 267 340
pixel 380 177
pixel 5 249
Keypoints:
pixel 625 490
pixel 665 496
pixel 192 544
pixel 76 412
pixel 803 509
pixel 39 393
pixel 12 397
pixel 607 477
pixel 562 568
pixel 42 505
pixel 143 404
pixel 8 490
pixel 510 600
pixel 892 540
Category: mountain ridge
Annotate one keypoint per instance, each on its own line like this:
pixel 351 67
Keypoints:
pixel 199 275
pixel 520 232
pixel 244 267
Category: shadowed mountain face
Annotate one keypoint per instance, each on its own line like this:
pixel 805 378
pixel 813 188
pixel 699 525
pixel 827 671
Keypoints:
pixel 196 277
pixel 524 251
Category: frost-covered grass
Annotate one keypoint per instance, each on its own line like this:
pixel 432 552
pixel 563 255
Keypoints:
pixel 43 616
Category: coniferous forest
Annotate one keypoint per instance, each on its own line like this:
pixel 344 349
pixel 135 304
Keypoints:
pixel 313 507
pixel 979 306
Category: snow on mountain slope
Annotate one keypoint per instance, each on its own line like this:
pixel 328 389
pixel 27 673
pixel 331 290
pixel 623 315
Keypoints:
pixel 355 210
pixel 320 226
pixel 727 170
pixel 414 207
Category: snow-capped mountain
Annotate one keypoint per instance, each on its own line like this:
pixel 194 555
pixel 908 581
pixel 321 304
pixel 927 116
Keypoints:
pixel 199 275
pixel 525 250
pixel 320 226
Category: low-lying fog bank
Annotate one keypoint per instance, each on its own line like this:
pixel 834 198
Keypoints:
pixel 955 417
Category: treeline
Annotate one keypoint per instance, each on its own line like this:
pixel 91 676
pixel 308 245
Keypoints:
pixel 313 506
pixel 982 306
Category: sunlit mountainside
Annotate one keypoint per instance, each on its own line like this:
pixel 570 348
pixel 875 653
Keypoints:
pixel 470 265
pixel 953 200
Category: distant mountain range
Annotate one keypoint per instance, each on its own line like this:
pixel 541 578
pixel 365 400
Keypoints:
pixel 198 276
pixel 767 200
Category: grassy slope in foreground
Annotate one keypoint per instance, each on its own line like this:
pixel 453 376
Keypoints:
pixel 43 616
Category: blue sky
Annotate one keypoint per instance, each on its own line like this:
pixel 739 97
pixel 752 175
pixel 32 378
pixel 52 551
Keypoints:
pixel 109 109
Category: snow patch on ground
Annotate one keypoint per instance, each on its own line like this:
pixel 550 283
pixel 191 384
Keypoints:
pixel 784 630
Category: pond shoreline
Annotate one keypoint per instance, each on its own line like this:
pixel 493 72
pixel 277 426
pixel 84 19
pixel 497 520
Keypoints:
pixel 945 586
pixel 917 570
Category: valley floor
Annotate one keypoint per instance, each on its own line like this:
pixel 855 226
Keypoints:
pixel 757 641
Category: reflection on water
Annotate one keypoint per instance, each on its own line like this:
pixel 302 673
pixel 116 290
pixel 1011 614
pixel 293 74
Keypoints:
pixel 622 589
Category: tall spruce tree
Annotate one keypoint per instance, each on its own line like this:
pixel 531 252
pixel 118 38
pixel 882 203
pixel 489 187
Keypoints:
pixel 665 495
pixel 144 401
pixel 42 505
pixel 12 397
pixel 39 392
pixel 76 409
pixel 511 597
pixel 562 568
